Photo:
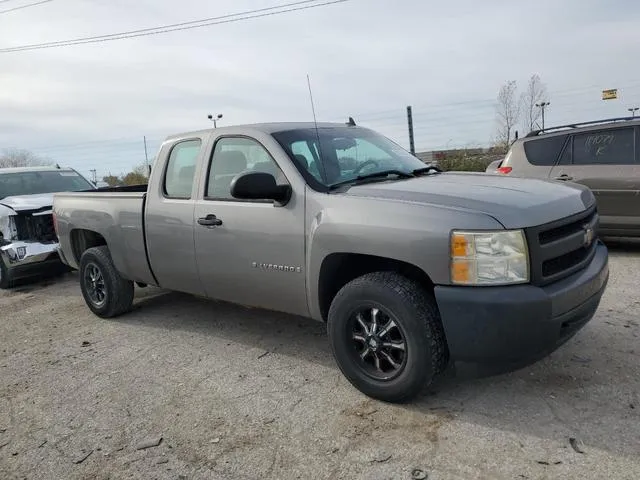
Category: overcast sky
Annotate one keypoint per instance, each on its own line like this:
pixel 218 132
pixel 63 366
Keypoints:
pixel 89 106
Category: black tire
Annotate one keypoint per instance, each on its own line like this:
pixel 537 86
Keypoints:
pixel 6 279
pixel 417 324
pixel 118 292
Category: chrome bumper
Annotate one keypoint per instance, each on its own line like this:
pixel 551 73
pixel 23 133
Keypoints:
pixel 20 253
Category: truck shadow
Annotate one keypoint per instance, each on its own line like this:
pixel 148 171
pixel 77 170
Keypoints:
pixel 272 331
pixel 586 389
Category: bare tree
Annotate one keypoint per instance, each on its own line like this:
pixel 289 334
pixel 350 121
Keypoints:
pixel 20 158
pixel 535 94
pixel 508 111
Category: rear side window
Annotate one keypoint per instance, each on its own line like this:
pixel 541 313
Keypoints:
pixel 178 179
pixel 605 147
pixel 544 151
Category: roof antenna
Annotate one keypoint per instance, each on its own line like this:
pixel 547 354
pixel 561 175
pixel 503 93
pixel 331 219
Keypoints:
pixel 322 170
pixel 313 108
pixel 351 122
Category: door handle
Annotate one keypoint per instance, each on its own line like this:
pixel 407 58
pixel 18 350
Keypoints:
pixel 210 221
pixel 564 177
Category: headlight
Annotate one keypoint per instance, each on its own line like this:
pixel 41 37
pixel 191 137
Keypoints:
pixel 7 228
pixel 489 258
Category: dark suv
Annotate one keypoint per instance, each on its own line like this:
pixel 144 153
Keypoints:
pixel 604 155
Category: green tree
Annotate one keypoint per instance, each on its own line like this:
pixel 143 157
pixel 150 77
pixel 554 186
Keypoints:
pixel 112 180
pixel 138 176
pixel 467 160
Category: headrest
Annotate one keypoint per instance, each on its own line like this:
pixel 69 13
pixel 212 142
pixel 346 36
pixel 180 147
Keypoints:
pixel 186 173
pixel 266 167
pixel 302 159
pixel 231 161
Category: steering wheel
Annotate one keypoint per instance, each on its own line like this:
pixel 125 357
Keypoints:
pixel 363 164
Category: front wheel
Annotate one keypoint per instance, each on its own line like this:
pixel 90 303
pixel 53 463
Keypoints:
pixel 386 335
pixel 105 292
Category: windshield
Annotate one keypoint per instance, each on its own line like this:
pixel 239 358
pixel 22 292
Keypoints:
pixel 30 183
pixel 345 153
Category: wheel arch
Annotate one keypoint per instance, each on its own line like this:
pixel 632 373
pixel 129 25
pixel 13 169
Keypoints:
pixel 82 240
pixel 338 269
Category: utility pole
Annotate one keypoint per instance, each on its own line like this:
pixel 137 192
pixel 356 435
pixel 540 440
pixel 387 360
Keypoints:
pixel 412 147
pixel 633 111
pixel 94 177
pixel 146 156
pixel 214 119
pixel 543 105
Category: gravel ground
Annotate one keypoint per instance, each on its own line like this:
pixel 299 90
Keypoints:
pixel 234 393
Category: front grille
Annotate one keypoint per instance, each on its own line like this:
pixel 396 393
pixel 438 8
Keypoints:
pixel 563 231
pixel 564 262
pixel 36 228
pixel 558 249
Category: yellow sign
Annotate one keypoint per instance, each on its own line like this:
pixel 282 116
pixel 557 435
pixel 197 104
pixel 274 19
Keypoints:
pixel 610 94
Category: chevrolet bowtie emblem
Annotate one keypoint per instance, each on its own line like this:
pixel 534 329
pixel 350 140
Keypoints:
pixel 587 239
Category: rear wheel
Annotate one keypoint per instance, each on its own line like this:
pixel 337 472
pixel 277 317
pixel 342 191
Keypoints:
pixel 105 292
pixel 386 335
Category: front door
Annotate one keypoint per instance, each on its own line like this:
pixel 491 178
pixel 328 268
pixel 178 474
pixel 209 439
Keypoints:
pixel 249 252
pixel 606 162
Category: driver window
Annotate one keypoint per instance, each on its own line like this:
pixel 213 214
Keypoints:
pixel 235 155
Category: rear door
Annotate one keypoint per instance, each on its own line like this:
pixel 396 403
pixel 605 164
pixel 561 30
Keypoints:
pixel 169 217
pixel 606 161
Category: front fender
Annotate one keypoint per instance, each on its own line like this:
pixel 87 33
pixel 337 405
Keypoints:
pixel 413 233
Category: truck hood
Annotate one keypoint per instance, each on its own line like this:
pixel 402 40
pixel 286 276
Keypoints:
pixel 514 202
pixel 29 203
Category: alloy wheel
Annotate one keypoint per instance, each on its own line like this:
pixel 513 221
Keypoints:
pixel 378 343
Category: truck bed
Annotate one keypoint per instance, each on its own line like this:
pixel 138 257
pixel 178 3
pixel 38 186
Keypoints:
pixel 115 213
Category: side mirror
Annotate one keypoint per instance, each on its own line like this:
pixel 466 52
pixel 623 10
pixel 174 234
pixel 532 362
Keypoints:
pixel 259 186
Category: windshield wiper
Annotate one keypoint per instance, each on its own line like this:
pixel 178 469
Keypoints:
pixel 427 169
pixel 373 176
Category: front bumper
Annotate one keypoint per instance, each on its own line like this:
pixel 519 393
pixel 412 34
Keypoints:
pixel 25 259
pixel 520 324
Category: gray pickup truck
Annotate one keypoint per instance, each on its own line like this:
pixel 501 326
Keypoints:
pixel 412 269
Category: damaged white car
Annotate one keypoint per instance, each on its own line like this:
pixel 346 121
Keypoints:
pixel 28 242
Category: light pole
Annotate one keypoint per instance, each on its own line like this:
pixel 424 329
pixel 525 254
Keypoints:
pixel 543 105
pixel 633 111
pixel 215 119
